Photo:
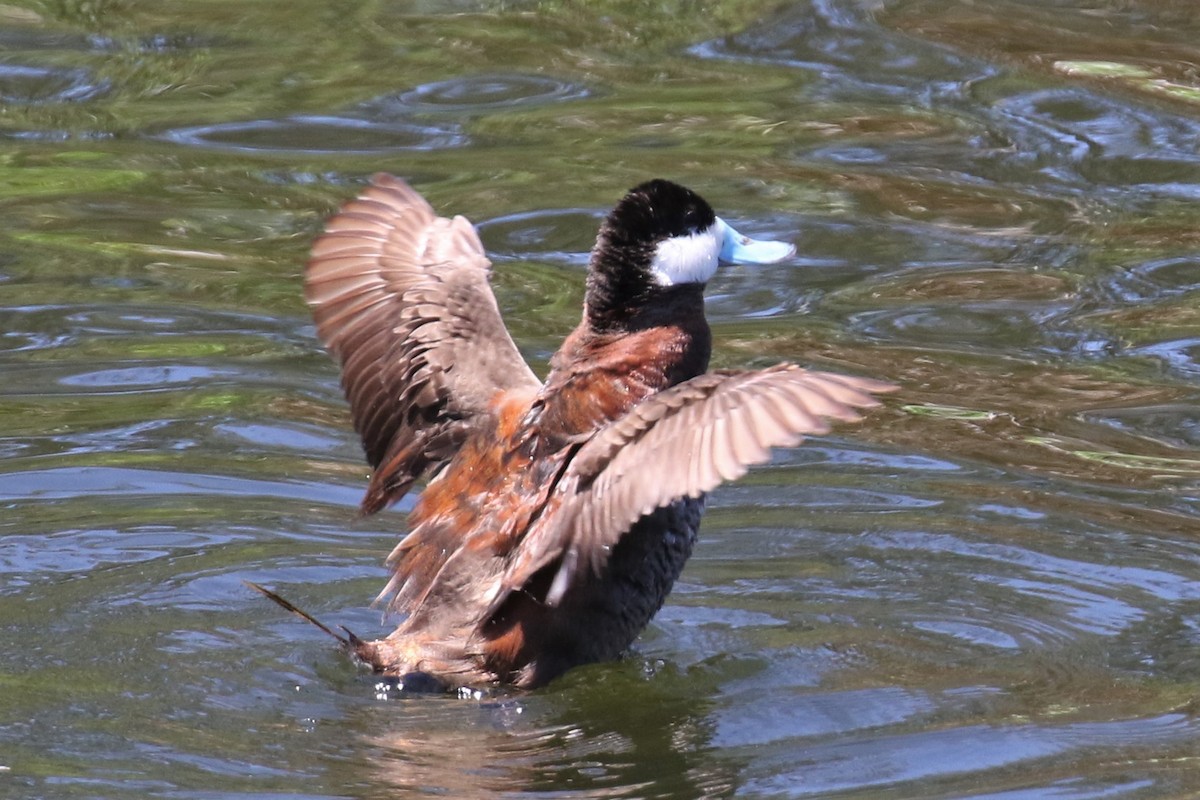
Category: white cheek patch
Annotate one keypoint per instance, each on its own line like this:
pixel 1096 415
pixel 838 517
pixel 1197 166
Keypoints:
pixel 687 259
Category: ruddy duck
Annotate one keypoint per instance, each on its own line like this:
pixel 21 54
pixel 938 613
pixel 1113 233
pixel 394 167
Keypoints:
pixel 559 514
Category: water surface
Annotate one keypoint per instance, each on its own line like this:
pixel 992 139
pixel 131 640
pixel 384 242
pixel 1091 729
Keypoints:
pixel 990 589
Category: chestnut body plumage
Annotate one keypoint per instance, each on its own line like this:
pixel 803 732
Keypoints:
pixel 558 514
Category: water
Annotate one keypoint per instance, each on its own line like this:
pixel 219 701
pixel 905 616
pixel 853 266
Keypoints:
pixel 990 589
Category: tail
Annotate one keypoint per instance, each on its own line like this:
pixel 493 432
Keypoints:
pixel 350 643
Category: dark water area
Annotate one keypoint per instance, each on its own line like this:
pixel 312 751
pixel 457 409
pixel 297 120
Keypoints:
pixel 988 589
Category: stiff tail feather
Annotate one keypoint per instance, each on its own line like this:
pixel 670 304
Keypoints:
pixel 350 643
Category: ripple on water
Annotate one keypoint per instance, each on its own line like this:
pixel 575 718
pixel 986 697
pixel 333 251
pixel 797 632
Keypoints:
pixel 865 761
pixel 282 435
pixel 26 85
pixel 971 631
pixel 1181 356
pixel 482 92
pixel 1052 597
pixel 815 453
pixel 90 482
pixel 1001 325
pixel 209 589
pixel 384 124
pixel 761 719
pixel 14 341
pixel 562 236
pixel 146 378
pixel 1172 425
pixel 1098 141
pixel 75 550
pixel 855 58
pixel 318 134
pixel 1151 280
pixel 806 494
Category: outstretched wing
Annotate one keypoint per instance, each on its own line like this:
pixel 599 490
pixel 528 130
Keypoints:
pixel 680 443
pixel 401 298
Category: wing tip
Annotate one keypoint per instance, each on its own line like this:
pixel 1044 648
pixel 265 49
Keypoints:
pixel 781 415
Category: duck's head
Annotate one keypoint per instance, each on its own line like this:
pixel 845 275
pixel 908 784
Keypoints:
pixel 660 238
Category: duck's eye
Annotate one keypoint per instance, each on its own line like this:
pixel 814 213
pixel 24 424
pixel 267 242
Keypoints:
pixel 691 219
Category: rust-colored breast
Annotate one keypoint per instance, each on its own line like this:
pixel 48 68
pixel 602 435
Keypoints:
pixel 598 379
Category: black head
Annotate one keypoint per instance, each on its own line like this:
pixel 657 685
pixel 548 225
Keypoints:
pixel 659 236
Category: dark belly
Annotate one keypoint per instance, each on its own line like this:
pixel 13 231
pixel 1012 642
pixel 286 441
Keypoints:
pixel 599 618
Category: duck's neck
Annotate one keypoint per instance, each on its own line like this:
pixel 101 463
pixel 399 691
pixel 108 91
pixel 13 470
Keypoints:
pixel 599 375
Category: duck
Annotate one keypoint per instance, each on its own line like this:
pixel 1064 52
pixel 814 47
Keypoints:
pixel 557 514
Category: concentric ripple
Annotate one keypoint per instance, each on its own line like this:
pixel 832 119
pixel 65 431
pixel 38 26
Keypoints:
pixel 391 123
pixel 486 92
pixel 318 134
pixel 561 236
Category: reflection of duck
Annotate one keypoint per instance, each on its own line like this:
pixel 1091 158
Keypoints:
pixel 657 742
pixel 559 514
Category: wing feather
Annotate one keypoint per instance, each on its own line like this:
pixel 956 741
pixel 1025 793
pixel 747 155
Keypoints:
pixel 401 297
pixel 680 443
